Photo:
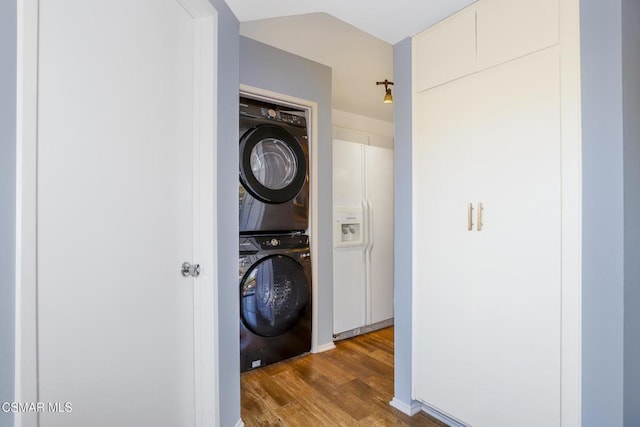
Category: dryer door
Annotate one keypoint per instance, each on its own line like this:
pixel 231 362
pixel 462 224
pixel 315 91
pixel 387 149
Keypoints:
pixel 274 294
pixel 272 164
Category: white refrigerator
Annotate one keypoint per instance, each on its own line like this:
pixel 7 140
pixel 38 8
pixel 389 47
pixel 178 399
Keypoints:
pixel 363 237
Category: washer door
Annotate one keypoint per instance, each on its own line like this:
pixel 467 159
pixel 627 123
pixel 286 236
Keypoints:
pixel 273 168
pixel 274 294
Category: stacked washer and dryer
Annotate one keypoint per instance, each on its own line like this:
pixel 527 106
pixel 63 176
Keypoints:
pixel 275 262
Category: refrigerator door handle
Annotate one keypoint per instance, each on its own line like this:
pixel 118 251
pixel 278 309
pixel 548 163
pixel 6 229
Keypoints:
pixel 365 224
pixel 365 258
pixel 370 227
pixel 368 249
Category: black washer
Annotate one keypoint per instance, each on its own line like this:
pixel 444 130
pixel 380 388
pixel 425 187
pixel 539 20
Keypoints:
pixel 274 294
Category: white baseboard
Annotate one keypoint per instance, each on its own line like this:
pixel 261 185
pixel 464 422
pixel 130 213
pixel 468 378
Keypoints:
pixel 442 416
pixel 409 409
pixel 324 347
pixel 240 423
pixel 363 330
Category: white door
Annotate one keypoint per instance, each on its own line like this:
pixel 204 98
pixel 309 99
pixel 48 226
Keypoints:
pixel 115 210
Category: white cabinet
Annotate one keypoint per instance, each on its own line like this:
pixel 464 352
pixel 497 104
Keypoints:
pixel 485 34
pixel 363 235
pixel 487 302
pixel 446 51
pixel 508 29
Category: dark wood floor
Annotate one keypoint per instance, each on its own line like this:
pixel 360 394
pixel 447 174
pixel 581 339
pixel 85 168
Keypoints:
pixel 349 386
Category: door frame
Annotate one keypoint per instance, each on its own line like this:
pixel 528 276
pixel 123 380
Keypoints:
pixel 311 108
pixel 204 213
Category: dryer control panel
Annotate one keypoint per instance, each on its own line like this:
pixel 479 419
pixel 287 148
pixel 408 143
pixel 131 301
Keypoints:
pixel 288 118
pixel 266 110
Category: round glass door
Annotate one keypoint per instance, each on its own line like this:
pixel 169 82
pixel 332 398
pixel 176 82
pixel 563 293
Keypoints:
pixel 274 294
pixel 272 164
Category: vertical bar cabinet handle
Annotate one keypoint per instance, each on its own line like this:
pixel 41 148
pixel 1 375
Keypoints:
pixel 469 216
pixel 479 221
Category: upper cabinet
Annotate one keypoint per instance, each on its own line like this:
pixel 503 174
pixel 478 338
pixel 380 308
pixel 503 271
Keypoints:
pixel 508 29
pixel 446 51
pixel 485 34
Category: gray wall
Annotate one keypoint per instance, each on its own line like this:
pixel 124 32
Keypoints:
pixel 266 67
pixel 603 219
pixel 227 164
pixel 402 227
pixel 631 116
pixel 7 200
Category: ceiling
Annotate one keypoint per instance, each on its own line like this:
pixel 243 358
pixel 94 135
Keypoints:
pixel 388 21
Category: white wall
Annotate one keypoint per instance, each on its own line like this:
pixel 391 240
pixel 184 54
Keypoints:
pixel 358 59
pixel 362 129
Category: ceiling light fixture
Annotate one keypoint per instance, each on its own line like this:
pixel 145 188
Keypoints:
pixel 388 97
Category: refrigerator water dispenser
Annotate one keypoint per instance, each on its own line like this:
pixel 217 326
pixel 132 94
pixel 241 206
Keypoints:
pixel 348 226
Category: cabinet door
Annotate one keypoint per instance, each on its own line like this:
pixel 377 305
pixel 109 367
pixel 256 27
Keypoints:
pixel 445 51
pixel 516 295
pixel 487 303
pixel 379 189
pixel 508 29
pixel 444 250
